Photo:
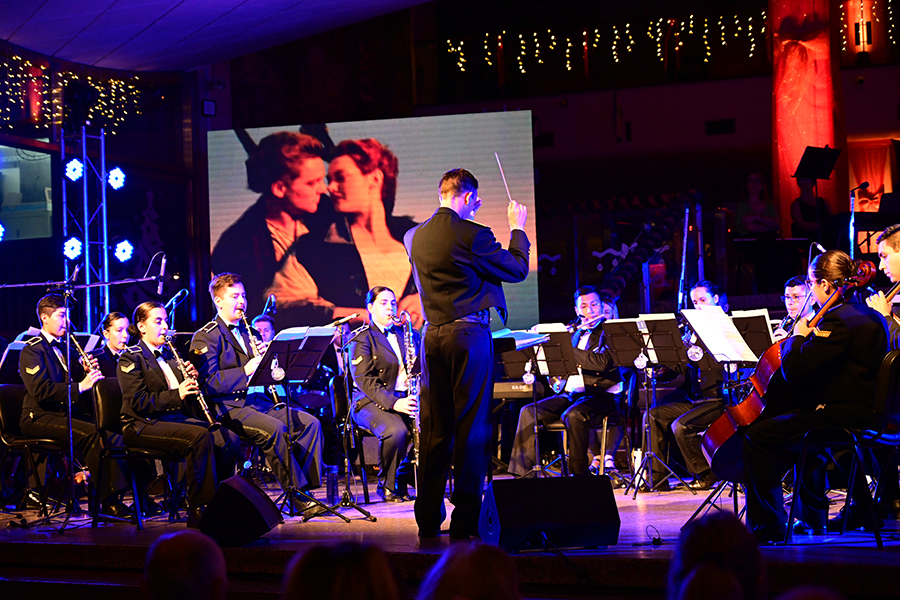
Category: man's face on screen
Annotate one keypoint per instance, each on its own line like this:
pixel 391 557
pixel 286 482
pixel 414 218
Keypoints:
pixel 302 193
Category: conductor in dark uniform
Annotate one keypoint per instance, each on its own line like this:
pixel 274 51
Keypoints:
pixel 459 268
pixel 155 412
pixel 225 360
pixel 43 367
pixel 382 403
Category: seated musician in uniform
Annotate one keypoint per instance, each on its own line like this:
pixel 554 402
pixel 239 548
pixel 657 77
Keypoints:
pixel 225 359
pixel 795 300
pixel 265 325
pixel 115 330
pixel 587 397
pixel 690 410
pixel 45 372
pixel 381 402
pixel 156 413
pixel 889 263
pixel 830 371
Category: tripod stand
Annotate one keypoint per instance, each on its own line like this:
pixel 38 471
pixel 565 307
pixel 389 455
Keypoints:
pixel 293 356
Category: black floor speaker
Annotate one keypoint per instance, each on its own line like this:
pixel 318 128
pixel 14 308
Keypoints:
pixel 239 513
pixel 566 512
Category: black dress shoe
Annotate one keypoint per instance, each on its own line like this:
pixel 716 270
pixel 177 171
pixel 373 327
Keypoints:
pixel 858 519
pixel 704 481
pixel 194 517
pixel 615 478
pixel 116 509
pixel 388 496
pixel 803 528
pixel 658 486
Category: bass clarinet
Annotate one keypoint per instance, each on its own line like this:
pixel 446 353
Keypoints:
pixel 412 381
pixel 204 407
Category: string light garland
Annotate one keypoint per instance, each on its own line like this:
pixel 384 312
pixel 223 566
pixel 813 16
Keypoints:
pixel 521 57
pixel 568 54
pixel 706 40
pixel 890 25
pixel 615 43
pixel 722 31
pixel 487 49
pixel 537 49
pixel 630 39
pixel 34 93
pixel 750 35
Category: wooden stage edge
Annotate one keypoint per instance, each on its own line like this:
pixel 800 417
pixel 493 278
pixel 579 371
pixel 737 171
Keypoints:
pixel 107 561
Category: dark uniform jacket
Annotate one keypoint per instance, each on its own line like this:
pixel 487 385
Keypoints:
pixel 45 379
pixel 107 360
pixel 596 362
pixel 374 366
pixel 459 266
pixel 838 363
pixel 145 392
pixel 220 361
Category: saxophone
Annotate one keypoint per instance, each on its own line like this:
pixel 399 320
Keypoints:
pixel 412 381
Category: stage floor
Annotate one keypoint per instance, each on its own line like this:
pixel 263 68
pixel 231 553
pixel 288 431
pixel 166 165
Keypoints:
pixel 111 556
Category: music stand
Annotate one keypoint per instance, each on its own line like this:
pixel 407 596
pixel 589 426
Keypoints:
pixel 658 339
pixel 294 356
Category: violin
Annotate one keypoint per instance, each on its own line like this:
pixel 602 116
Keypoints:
pixel 721 443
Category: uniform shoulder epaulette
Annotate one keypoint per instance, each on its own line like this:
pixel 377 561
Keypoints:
pixel 209 327
pixel 359 330
pixel 133 349
pixel 33 341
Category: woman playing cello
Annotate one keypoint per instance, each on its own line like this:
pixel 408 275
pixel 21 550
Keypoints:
pixel 830 371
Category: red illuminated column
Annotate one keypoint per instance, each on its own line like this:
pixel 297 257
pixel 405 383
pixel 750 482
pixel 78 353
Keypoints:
pixel 806 100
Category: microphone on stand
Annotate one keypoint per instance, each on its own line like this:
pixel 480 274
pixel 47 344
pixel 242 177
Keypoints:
pixel 162 273
pixel 342 321
pixel 270 306
pixel 819 247
pixel 177 299
pixel 863 186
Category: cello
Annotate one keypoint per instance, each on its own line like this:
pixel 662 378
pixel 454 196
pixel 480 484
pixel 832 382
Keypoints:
pixel 722 443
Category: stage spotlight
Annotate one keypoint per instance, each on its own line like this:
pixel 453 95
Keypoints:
pixel 116 178
pixel 72 248
pixel 124 250
pixel 2 231
pixel 74 169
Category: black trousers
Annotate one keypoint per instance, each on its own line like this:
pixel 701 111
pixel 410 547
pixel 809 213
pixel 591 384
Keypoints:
pixel 394 449
pixel 772 446
pixel 580 414
pixel 85 440
pixel 269 432
pixel 456 394
pixel 209 457
pixel 687 421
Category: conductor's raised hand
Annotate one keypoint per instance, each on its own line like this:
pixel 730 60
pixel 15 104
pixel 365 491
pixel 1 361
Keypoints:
pixel 517 214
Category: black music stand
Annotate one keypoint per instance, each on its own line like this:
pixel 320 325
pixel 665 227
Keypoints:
pixel 659 342
pixel 293 356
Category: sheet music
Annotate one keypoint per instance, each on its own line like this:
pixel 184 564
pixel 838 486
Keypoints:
pixel 719 335
pixel 524 339
pixel 550 328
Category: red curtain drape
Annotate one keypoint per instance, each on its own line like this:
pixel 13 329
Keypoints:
pixel 870 161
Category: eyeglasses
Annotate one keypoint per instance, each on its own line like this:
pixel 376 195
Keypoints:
pixel 792 298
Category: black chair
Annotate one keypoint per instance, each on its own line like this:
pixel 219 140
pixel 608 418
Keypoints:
pixel 107 416
pixel 340 407
pixel 886 405
pixel 12 396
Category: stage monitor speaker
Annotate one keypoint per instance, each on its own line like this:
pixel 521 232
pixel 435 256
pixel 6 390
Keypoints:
pixel 570 512
pixel 239 513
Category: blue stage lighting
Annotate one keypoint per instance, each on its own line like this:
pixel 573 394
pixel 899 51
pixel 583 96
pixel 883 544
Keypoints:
pixel 116 178
pixel 72 248
pixel 74 169
pixel 124 250
pixel 2 231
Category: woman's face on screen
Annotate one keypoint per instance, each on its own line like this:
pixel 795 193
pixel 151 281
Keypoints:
pixel 351 191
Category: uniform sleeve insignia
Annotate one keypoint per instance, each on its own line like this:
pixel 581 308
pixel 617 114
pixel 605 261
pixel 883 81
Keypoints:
pixel 200 349
pixel 821 333
pixel 357 360
pixel 127 368
pixel 33 370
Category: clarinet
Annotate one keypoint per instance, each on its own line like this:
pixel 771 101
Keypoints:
pixel 204 407
pixel 86 359
pixel 412 381
pixel 276 370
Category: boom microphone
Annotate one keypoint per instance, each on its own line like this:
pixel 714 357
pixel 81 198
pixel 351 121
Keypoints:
pixel 270 305
pixel 864 185
pixel 342 321
pixel 162 273
pixel 177 299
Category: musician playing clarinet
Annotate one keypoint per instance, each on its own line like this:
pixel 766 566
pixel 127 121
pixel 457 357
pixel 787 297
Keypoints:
pixel 224 356
pixel 115 331
pixel 155 414
pixel 380 402
pixel 588 396
pixel 43 366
